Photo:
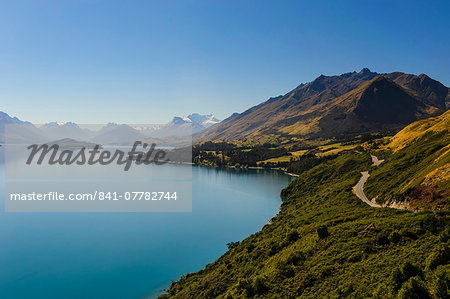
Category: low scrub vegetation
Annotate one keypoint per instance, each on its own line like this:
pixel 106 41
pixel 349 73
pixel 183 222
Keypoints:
pixel 327 243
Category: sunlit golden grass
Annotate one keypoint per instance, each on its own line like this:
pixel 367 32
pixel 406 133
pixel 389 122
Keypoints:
pixel 418 129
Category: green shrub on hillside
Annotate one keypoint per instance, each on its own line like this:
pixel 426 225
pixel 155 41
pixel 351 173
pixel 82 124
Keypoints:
pixel 439 257
pixel 322 232
pixel 414 288
pixel 441 283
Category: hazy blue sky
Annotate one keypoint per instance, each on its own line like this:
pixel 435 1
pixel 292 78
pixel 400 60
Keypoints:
pixel 146 61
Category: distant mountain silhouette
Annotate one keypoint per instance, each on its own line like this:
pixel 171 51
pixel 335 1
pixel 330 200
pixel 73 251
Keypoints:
pixel 13 130
pixel 118 134
pixel 183 126
pixel 56 130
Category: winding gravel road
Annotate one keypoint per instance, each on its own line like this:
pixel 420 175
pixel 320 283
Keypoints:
pixel 375 161
pixel 359 188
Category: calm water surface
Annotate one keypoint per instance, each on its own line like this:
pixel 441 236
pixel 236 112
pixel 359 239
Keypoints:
pixel 132 255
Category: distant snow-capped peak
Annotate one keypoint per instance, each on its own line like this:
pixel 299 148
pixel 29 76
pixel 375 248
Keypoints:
pixel 211 120
pixel 60 124
pixel 197 119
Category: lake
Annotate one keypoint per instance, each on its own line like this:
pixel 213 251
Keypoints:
pixel 132 255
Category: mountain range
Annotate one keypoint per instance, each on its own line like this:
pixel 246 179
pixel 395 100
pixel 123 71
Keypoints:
pixel 329 106
pixel 182 126
pixel 350 103
pixel 20 131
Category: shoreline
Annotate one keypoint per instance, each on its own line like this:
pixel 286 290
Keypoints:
pixel 164 290
pixel 248 167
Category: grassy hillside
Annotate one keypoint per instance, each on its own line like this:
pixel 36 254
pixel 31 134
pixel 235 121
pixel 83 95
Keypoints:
pixel 417 167
pixel 326 243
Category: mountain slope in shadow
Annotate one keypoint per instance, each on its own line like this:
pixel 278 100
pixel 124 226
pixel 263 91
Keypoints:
pixel 345 104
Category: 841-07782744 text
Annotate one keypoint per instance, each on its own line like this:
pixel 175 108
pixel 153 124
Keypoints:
pixel 97 195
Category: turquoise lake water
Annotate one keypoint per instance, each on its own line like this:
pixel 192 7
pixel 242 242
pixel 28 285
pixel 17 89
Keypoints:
pixel 132 255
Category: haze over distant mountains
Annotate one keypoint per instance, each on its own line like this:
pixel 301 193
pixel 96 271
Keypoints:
pixel 350 103
pixel 111 133
pixel 18 131
pixel 183 126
